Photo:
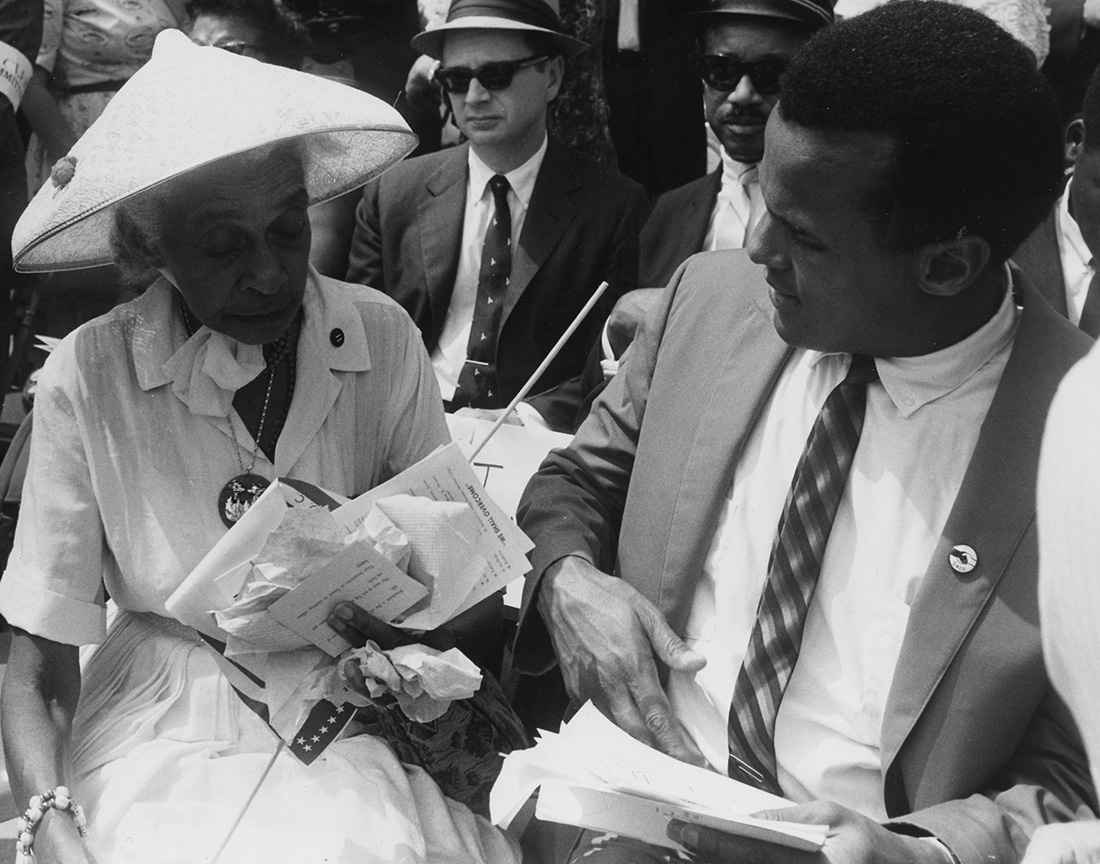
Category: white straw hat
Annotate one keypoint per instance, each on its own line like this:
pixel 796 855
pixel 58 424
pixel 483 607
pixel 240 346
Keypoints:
pixel 187 107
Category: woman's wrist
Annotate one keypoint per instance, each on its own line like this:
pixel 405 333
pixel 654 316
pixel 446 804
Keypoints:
pixel 31 822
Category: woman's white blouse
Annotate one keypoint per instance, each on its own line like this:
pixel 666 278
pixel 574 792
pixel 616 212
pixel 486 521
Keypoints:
pixel 132 444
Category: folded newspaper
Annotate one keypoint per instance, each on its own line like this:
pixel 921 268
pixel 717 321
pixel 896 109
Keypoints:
pixel 594 775
pixel 416 551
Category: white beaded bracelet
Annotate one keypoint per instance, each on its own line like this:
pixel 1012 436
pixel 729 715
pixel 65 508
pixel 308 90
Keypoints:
pixel 29 823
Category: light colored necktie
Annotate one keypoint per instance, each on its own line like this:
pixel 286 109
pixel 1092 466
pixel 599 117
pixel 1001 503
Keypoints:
pixel 736 211
pixel 793 568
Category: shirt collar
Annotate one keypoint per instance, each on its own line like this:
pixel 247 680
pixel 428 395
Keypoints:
pixel 159 341
pixel 913 382
pixel 521 179
pixel 732 170
pixel 1071 231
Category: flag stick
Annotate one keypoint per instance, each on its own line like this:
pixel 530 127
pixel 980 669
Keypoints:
pixel 542 368
pixel 248 803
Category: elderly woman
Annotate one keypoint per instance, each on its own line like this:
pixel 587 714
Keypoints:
pixel 157 425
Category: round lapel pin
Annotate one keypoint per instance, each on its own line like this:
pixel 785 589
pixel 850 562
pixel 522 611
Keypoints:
pixel 963 558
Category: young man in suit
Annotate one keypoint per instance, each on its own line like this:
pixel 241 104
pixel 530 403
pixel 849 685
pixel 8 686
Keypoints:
pixel 814 481
pixel 744 47
pixel 1060 255
pixel 494 246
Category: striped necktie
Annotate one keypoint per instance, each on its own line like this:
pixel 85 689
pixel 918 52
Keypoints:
pixel 793 567
pixel 477 382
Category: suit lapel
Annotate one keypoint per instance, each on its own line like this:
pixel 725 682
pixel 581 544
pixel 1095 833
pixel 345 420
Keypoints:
pixel 441 216
pixel 1041 260
pixel 698 218
pixel 733 403
pixel 994 508
pixel 548 215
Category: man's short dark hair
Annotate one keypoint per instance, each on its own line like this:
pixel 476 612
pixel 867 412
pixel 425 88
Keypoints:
pixel 285 38
pixel 976 131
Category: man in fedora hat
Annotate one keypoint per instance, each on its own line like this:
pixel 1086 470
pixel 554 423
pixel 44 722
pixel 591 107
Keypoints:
pixel 494 246
pixel 744 47
pixel 795 540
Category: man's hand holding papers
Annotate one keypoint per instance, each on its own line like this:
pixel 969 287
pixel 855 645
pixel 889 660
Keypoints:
pixel 592 774
pixel 851 839
pixel 608 639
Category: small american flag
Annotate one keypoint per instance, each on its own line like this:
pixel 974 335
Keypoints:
pixel 324 723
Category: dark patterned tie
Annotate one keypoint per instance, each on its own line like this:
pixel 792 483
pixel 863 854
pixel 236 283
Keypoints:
pixel 793 568
pixel 1090 312
pixel 477 383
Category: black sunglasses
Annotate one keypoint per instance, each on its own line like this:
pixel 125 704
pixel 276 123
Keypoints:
pixel 725 73
pixel 491 76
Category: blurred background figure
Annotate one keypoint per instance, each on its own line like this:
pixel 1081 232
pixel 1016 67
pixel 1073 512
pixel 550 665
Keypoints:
pixel 90 48
pixel 1069 590
pixel 265 30
pixel 1060 255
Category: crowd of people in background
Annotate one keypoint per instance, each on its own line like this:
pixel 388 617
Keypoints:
pixel 827 522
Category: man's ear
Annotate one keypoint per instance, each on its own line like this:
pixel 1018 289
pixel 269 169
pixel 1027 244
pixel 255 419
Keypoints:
pixel 1075 139
pixel 950 267
pixel 556 68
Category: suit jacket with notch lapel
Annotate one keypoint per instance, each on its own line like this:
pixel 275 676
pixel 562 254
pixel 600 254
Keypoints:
pixel 581 228
pixel 1041 259
pixel 977 749
pixel 677 228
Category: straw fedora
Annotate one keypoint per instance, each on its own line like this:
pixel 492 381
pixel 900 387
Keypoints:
pixel 815 14
pixel 530 16
pixel 187 107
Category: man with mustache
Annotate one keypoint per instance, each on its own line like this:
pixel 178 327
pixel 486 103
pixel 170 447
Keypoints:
pixel 744 47
pixel 795 540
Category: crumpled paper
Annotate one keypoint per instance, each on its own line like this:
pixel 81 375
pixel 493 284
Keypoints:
pixel 431 541
pixel 305 541
pixel 423 680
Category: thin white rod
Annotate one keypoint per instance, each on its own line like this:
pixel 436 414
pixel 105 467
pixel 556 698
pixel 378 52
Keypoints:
pixel 542 368
pixel 248 803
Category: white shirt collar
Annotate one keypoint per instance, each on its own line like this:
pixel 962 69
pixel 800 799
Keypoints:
pixel 732 170
pixel 1071 231
pixel 913 382
pixel 521 179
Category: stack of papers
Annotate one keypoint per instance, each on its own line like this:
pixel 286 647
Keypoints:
pixel 594 775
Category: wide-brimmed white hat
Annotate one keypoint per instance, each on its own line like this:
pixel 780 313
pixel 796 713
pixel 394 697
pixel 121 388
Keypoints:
pixel 525 16
pixel 190 106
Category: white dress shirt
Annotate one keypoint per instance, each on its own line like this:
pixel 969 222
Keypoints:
pixel 921 425
pixel 1077 269
pixel 739 203
pixel 449 355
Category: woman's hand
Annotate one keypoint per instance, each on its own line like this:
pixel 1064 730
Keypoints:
pixel 473 632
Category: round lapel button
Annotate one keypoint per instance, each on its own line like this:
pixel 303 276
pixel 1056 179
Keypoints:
pixel 336 337
pixel 963 558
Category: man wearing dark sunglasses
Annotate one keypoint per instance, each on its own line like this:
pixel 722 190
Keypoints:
pixel 744 48
pixel 494 246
